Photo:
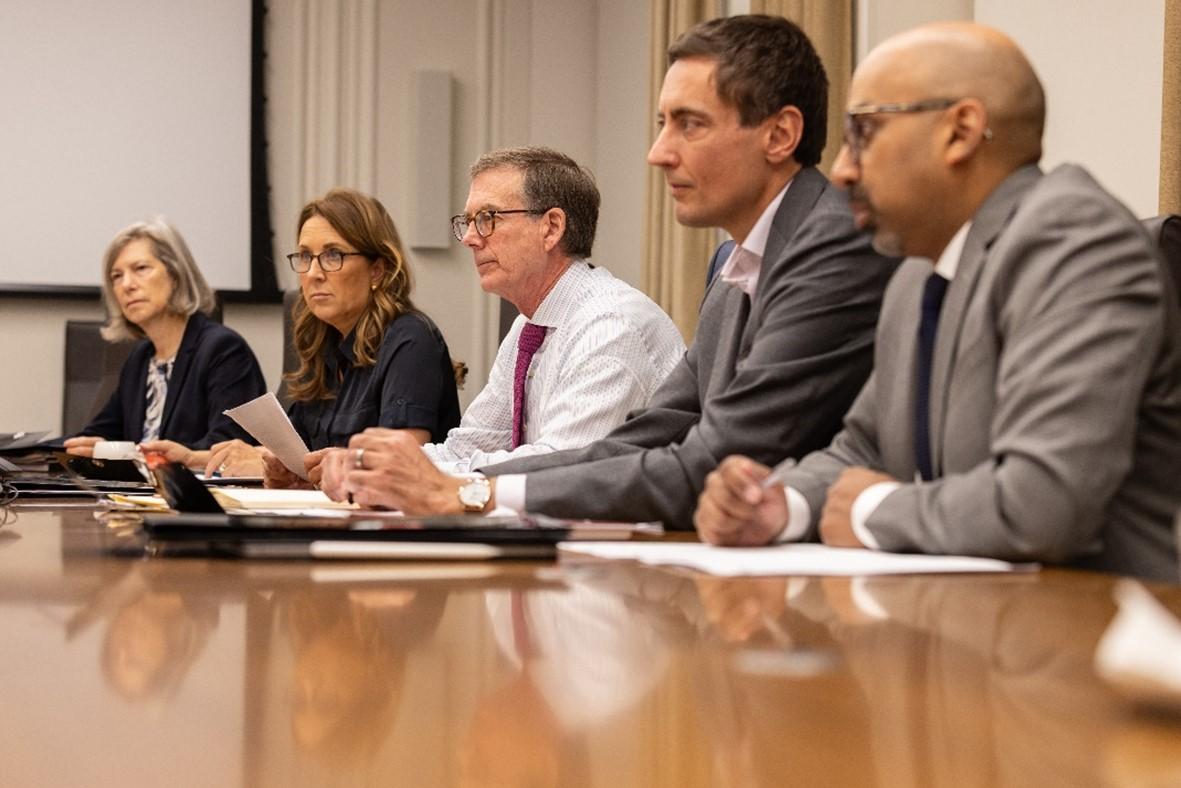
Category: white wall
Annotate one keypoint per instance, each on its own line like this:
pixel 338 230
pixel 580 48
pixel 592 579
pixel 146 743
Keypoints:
pixel 574 75
pixel 565 73
pixel 623 122
pixel 1100 63
pixel 877 20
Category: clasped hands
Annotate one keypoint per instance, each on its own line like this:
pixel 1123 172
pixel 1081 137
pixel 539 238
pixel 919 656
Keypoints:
pixel 384 468
pixel 736 510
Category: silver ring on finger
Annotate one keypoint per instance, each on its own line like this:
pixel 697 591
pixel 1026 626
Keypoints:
pixel 359 459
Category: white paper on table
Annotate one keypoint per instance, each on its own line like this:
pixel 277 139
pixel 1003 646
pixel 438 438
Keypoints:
pixel 788 559
pixel 258 498
pixel 264 419
pixel 1140 653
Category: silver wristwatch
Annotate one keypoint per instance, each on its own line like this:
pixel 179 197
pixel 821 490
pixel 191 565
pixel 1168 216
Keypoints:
pixel 474 494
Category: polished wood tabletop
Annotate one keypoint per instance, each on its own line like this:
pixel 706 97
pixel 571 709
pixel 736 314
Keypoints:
pixel 123 671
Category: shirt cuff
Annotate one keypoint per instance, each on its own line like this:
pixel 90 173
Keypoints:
pixel 864 505
pixel 799 516
pixel 510 492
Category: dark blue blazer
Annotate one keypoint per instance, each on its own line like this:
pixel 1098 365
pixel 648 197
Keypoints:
pixel 214 369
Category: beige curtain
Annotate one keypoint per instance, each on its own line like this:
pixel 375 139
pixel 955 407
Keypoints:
pixel 830 26
pixel 1170 133
pixel 677 257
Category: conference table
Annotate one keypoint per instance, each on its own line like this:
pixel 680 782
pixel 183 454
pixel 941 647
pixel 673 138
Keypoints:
pixel 129 671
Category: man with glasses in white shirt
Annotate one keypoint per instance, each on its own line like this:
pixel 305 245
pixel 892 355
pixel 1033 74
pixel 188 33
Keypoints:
pixel 586 349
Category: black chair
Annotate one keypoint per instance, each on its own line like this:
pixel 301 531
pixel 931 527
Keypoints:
pixel 1165 231
pixel 290 359
pixel 91 373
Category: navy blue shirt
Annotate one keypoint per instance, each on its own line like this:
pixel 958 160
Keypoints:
pixel 412 386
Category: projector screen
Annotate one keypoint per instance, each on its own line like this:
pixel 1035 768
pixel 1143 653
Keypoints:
pixel 118 111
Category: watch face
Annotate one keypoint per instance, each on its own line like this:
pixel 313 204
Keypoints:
pixel 474 493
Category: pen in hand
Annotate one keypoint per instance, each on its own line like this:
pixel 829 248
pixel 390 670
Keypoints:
pixel 778 473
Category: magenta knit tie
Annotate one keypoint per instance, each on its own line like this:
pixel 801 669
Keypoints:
pixel 527 343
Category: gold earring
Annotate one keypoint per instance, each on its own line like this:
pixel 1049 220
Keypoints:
pixel 372 288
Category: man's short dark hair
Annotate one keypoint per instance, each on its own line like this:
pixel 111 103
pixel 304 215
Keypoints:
pixel 764 63
pixel 553 180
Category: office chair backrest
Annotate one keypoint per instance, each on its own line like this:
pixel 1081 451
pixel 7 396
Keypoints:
pixel 1165 230
pixel 91 373
pixel 290 358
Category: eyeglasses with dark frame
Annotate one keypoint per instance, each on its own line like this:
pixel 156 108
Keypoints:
pixel 485 221
pixel 859 130
pixel 330 260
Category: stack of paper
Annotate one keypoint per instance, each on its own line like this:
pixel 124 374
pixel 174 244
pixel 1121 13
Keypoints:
pixel 264 499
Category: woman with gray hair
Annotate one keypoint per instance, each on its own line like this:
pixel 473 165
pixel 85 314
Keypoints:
pixel 186 369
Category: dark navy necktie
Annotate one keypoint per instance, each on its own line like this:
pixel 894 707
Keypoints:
pixel 933 294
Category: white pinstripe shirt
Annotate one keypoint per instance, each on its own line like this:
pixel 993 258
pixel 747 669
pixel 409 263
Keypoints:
pixel 608 348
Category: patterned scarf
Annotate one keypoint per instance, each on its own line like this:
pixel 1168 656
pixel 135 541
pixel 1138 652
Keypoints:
pixel 158 374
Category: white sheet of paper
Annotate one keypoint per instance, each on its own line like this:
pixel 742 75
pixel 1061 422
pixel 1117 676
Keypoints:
pixel 263 418
pixel 789 559
pixel 257 498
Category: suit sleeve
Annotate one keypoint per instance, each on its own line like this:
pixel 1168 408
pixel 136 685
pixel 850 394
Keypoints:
pixel 232 377
pixel 810 353
pixel 1078 312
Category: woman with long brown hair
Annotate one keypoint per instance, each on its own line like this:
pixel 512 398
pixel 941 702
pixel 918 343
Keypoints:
pixel 367 356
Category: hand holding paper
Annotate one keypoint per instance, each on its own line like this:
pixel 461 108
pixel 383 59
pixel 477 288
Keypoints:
pixel 265 420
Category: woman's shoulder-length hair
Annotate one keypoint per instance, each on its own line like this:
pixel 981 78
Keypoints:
pixel 364 223
pixel 190 292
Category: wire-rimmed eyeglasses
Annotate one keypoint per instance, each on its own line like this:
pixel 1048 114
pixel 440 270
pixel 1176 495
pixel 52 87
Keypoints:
pixel 329 259
pixel 485 221
pixel 859 128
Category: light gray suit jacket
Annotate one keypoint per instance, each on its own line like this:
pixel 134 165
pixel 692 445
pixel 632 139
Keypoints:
pixel 1055 391
pixel 768 377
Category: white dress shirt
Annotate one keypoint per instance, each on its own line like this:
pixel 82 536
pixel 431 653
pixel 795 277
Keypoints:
pixel 745 262
pixel 607 349
pixel 868 500
pixel 595 655
pixel 741 270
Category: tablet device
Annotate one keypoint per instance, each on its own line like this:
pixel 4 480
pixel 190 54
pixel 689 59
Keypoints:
pixel 202 527
pixel 465 537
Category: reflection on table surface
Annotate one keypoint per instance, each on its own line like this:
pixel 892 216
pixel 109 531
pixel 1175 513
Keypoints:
pixel 125 671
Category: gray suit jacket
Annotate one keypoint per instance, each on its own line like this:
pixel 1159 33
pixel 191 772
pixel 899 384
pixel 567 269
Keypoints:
pixel 768 377
pixel 1055 391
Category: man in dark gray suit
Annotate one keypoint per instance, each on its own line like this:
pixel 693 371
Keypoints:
pixel 1035 413
pixel 784 339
